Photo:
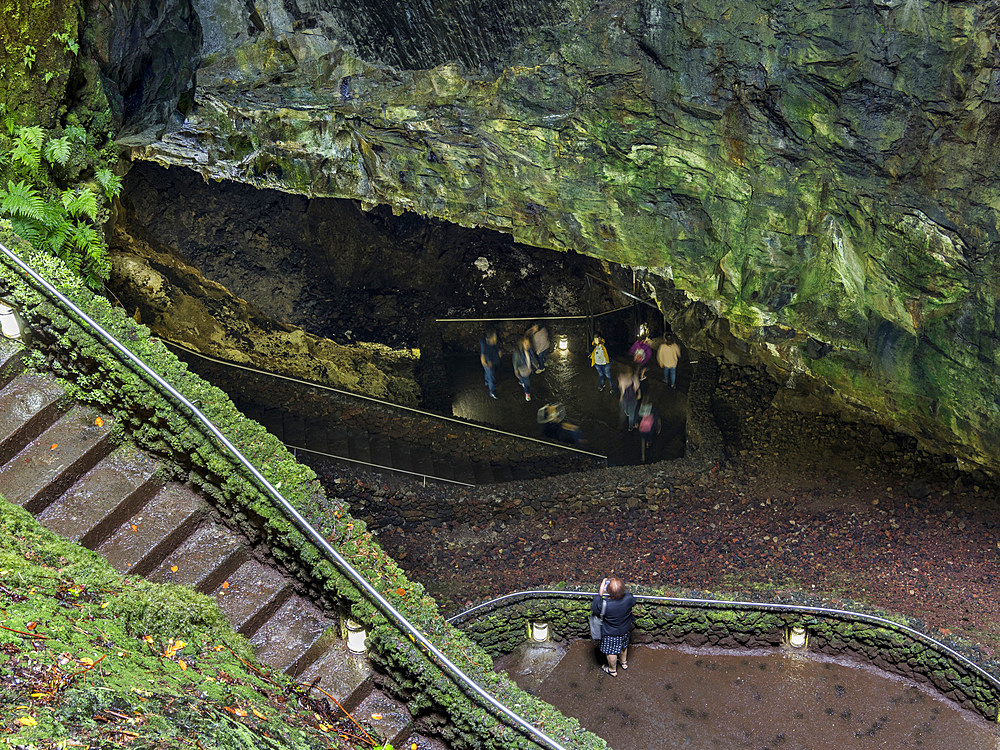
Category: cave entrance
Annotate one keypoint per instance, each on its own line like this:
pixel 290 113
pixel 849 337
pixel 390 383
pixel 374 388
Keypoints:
pixel 350 276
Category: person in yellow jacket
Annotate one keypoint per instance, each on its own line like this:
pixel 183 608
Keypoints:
pixel 601 362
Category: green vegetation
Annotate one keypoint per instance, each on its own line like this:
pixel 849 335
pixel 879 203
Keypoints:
pixel 89 658
pixel 56 162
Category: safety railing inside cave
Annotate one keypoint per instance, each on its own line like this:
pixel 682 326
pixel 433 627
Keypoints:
pixel 472 689
pixel 692 603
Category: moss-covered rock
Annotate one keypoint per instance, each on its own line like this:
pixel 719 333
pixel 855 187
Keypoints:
pixel 825 168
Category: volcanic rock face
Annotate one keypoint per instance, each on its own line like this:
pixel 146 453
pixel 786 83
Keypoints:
pixel 823 175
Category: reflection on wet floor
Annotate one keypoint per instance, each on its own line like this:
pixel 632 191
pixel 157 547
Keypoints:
pixel 724 700
pixel 570 380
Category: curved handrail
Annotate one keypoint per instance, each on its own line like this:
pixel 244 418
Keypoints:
pixel 394 616
pixel 760 606
pixel 362 396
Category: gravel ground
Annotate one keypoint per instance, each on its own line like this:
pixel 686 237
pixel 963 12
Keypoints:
pixel 838 511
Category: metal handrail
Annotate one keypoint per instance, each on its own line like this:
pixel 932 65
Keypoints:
pixel 378 466
pixel 362 396
pixel 533 317
pixel 761 606
pixel 393 615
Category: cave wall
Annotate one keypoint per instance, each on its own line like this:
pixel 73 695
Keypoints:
pixel 822 175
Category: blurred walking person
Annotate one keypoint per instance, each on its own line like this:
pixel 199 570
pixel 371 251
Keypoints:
pixel 667 356
pixel 489 355
pixel 521 358
pixel 601 362
pixel 539 336
pixel 628 384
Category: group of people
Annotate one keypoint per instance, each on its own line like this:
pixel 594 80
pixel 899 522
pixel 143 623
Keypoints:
pixel 529 356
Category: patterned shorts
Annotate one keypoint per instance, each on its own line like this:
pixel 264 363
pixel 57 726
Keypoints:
pixel 614 644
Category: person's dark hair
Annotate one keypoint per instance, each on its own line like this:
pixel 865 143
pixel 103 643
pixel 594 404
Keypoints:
pixel 616 588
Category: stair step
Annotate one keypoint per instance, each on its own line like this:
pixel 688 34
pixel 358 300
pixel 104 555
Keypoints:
pixel 251 595
pixel 28 405
pixel 339 672
pixel 142 542
pixel 11 361
pixel 395 721
pixel 104 498
pixel 40 473
pixel 202 554
pixel 288 635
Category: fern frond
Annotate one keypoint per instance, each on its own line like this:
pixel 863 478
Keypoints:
pixel 75 133
pixel 82 202
pixel 21 200
pixel 83 236
pixel 33 134
pixel 109 182
pixel 58 151
pixel 26 153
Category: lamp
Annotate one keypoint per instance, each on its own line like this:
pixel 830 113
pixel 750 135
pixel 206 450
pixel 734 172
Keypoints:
pixel 356 637
pixel 9 324
pixel 563 344
pixel 643 330
pixel 797 637
pixel 539 631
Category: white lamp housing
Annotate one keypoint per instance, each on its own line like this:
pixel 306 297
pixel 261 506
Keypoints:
pixel 539 631
pixel 797 637
pixel 9 325
pixel 356 637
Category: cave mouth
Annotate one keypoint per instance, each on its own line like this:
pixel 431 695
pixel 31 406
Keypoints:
pixel 356 277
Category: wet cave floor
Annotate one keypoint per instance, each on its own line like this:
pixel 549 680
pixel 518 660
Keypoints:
pixel 843 512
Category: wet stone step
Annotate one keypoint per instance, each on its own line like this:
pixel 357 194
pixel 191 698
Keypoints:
pixel 340 673
pixel 199 557
pixel 289 634
pixel 250 595
pixel 114 490
pixel 28 405
pixel 11 362
pixel 143 541
pixel 56 459
pixel 390 718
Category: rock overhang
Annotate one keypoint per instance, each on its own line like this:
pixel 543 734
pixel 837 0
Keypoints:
pixel 823 170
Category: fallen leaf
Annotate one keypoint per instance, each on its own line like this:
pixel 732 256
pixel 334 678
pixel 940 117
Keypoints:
pixel 173 568
pixel 87 661
pixel 182 664
pixel 53 446
pixel 99 422
pixel 376 717
pixel 134 527
pixel 225 584
pixel 27 721
pixel 258 714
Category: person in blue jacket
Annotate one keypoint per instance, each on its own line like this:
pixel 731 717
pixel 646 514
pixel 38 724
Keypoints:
pixel 616 627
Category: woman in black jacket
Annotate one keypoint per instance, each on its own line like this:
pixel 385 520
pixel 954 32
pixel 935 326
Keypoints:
pixel 617 624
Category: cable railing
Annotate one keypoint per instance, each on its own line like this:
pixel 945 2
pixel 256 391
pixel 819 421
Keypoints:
pixel 501 712
pixel 380 467
pixel 689 603
pixel 381 402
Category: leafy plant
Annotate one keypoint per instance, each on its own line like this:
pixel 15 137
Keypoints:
pixel 68 41
pixel 57 151
pixel 109 182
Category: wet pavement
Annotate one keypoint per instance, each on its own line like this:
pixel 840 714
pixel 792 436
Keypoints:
pixel 723 700
pixel 570 380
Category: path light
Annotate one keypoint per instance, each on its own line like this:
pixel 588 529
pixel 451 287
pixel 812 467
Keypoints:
pixel 9 325
pixel 563 344
pixel 356 637
pixel 643 330
pixel 539 631
pixel 797 637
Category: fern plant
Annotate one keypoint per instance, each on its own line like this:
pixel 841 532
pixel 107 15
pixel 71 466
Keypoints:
pixel 63 221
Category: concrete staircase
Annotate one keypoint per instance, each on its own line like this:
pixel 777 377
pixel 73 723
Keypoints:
pixel 58 461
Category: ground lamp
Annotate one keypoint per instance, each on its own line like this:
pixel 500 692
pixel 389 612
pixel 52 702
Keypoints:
pixel 563 344
pixel 797 637
pixel 9 324
pixel 356 637
pixel 539 631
